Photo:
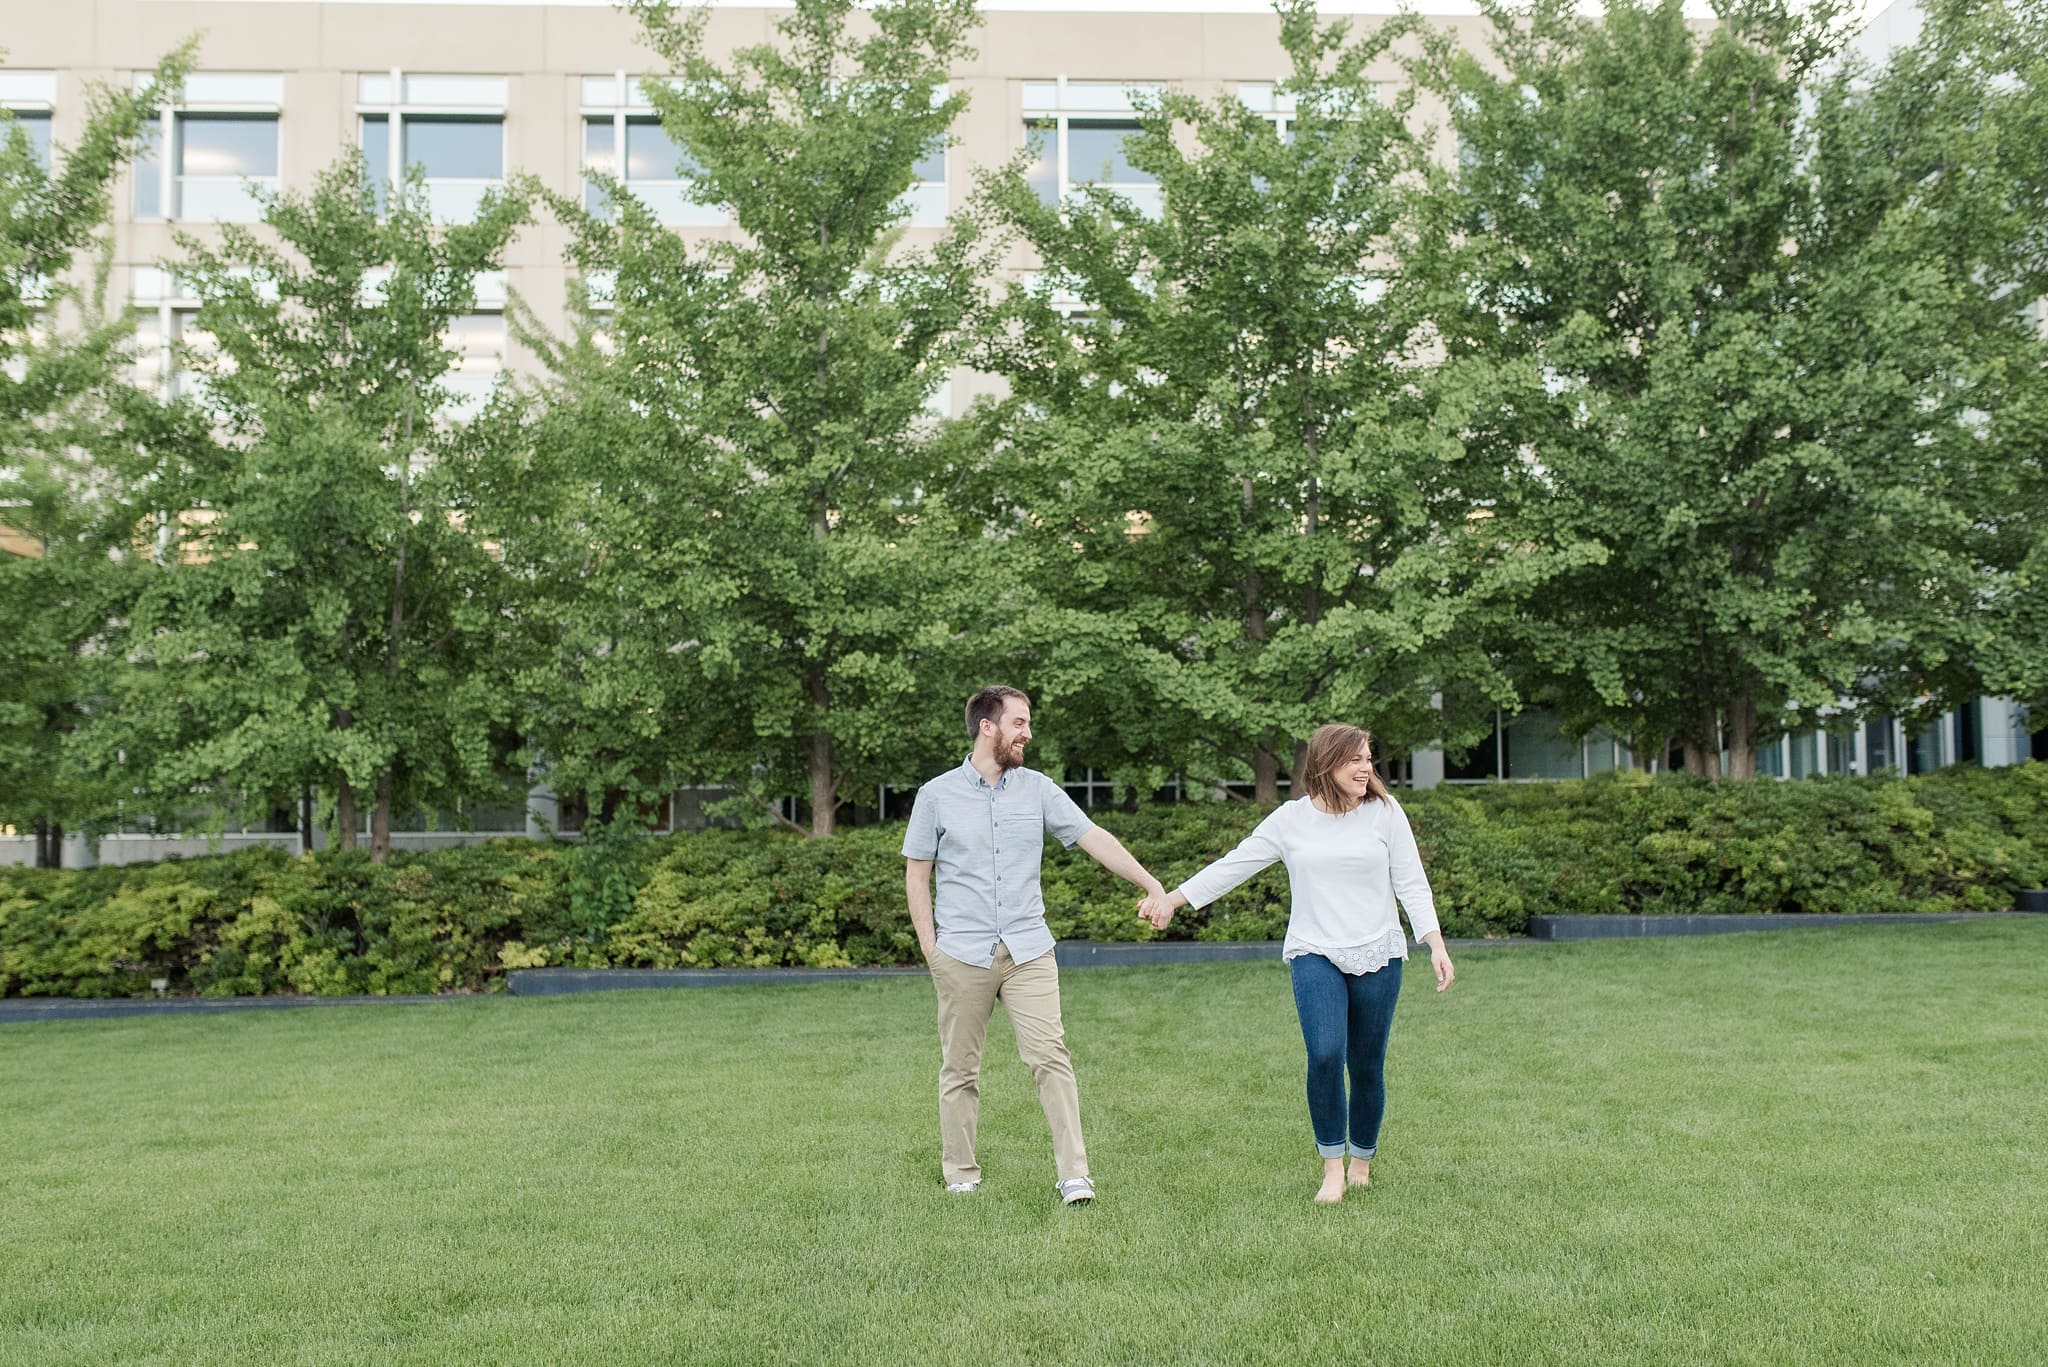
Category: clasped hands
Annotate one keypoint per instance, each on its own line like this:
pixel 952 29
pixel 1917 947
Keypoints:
pixel 1157 908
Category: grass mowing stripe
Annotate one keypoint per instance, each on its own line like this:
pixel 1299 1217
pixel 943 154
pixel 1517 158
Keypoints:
pixel 1814 1147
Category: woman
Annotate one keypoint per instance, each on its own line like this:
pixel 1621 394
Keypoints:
pixel 1349 854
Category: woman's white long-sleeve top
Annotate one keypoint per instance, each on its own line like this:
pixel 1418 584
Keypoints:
pixel 1344 873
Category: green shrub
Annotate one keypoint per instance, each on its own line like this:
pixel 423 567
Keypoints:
pixel 261 921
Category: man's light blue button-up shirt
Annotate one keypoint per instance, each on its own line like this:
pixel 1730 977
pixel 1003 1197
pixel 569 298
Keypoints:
pixel 986 843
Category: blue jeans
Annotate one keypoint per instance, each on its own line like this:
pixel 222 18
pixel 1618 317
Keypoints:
pixel 1345 1020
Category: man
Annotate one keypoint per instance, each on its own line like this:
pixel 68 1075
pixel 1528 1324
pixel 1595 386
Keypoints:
pixel 983 827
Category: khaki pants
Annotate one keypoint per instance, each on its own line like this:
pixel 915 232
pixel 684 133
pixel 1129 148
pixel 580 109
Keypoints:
pixel 1031 994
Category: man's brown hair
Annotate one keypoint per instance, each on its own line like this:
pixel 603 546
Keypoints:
pixel 988 705
pixel 1330 747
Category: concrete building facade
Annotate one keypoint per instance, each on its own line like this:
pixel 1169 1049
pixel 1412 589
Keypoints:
pixel 478 92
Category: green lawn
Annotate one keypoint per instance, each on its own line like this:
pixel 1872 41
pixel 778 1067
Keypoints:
pixel 1806 1146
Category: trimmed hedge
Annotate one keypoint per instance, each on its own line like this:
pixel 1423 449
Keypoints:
pixel 261 921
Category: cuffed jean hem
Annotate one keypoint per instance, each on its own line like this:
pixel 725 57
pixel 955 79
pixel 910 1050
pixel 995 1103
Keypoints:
pixel 1329 1150
pixel 1366 1154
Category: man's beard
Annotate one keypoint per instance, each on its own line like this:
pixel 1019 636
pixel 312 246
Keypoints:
pixel 1009 755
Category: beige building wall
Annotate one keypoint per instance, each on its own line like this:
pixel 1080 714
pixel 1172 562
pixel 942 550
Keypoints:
pixel 320 50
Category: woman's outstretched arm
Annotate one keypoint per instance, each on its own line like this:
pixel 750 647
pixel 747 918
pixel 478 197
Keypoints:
pixel 1255 853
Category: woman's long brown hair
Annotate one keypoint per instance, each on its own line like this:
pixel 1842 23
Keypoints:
pixel 1331 746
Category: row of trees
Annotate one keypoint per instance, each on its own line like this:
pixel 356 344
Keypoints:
pixel 1682 379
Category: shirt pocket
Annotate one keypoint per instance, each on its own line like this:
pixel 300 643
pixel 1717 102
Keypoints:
pixel 1019 831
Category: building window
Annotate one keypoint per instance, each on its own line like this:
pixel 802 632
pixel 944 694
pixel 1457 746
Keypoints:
pixel 1264 97
pixel 33 333
pixel 1604 753
pixel 478 341
pixel 1278 106
pixel 1061 297
pixel 623 137
pixel 167 336
pixel 35 126
pixel 1530 746
pixel 451 127
pixel 1932 747
pixel 216 151
pixel 475 340
pixel 28 97
pixel 596 304
pixel 1076 130
pixel 927 201
pixel 1534 747
pixel 168 341
pixel 1486 760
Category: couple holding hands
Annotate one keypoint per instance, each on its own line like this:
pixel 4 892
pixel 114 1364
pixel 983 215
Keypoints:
pixel 980 830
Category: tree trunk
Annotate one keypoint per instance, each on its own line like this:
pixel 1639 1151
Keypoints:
pixel 1297 772
pixel 1265 776
pixel 1742 737
pixel 380 822
pixel 824 792
pixel 49 845
pixel 824 800
pixel 344 814
pixel 1703 757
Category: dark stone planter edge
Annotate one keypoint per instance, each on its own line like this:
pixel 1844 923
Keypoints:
pixel 17 1009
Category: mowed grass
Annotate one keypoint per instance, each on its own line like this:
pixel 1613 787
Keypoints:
pixel 1823 1146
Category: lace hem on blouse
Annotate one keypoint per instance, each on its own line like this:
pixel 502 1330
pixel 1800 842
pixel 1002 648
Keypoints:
pixel 1369 957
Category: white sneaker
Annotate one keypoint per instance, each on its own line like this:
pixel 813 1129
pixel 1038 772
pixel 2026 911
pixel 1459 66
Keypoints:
pixel 1075 1191
pixel 964 1188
